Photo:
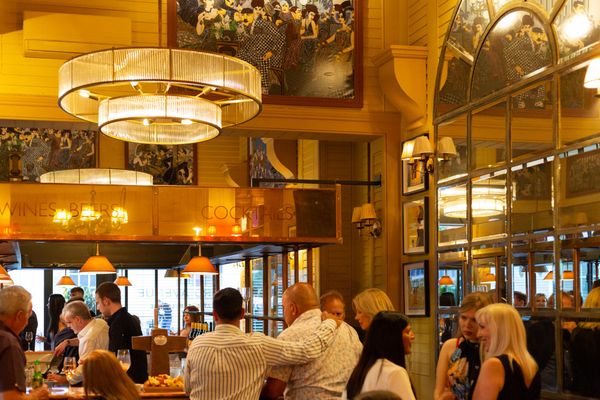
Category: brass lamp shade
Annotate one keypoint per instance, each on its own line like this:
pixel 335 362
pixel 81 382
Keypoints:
pixel 200 265
pixel 65 281
pixel 4 274
pixel 549 276
pixel 568 275
pixel 97 265
pixel 171 273
pixel 446 280
pixel 122 281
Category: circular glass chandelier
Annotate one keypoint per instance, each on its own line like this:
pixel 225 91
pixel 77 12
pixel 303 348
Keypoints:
pixel 160 95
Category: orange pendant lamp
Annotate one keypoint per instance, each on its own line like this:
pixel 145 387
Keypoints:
pixel 97 264
pixel 200 265
pixel 65 280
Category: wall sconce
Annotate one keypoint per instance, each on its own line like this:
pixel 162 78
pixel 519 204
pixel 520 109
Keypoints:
pixel 419 149
pixel 365 217
pixel 446 149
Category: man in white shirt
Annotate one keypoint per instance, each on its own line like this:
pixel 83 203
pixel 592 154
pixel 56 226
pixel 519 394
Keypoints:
pixel 326 376
pixel 92 334
pixel 229 365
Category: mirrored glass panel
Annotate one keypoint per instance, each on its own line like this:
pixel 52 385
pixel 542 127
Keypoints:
pixel 531 122
pixel 450 277
pixel 541 345
pixel 488 137
pixel 489 271
pixel 468 26
pixel 516 47
pixel 452 162
pixel 580 257
pixel 580 186
pixel 581 341
pixel 532 261
pixel 579 109
pixel 578 26
pixel 452 214
pixel 453 82
pixel 447 327
pixel 488 206
pixel 532 197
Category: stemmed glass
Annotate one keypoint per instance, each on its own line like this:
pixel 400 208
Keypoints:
pixel 246 293
pixel 69 366
pixel 29 338
pixel 124 358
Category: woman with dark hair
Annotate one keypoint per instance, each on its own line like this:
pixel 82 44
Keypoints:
pixel 190 314
pixel 55 305
pixel 382 363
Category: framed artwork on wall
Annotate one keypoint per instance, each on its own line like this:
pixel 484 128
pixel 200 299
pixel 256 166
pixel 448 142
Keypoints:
pixel 27 153
pixel 415 220
pixel 416 289
pixel 168 164
pixel 308 53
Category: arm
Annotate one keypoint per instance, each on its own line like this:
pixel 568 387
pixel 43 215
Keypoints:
pixel 278 352
pixel 399 383
pixel 273 389
pixel 490 381
pixel 441 371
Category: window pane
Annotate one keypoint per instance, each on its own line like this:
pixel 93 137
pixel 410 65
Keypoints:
pixel 257 294
pixel 581 360
pixel 532 197
pixel 141 298
pixel 168 312
pixel 541 345
pixel 537 254
pixel 488 133
pixel 454 166
pixel 453 89
pixel 452 214
pixel 489 270
pixel 276 286
pixel 531 121
pixel 488 206
pixel 33 281
pixel 208 294
pixel 579 110
pixel 450 277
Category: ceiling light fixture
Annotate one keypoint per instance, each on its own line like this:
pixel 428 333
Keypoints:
pixel 97 264
pixel 446 280
pixel 98 176
pixel 66 281
pixel 200 265
pixel 160 95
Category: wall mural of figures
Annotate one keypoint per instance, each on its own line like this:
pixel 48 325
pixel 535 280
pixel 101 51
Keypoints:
pixel 169 165
pixel 301 48
pixel 260 165
pixel 27 153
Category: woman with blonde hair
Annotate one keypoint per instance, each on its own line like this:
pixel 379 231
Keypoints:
pixel 103 378
pixel 368 303
pixel 508 372
pixel 585 351
pixel 458 366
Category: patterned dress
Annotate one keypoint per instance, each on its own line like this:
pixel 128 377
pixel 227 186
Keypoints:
pixel 463 368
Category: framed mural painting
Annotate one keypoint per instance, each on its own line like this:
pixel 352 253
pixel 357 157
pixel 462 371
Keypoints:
pixel 168 164
pixel 416 289
pixel 27 153
pixel 415 220
pixel 307 52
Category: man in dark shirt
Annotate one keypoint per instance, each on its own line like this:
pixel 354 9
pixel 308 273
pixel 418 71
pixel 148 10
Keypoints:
pixel 15 310
pixel 122 326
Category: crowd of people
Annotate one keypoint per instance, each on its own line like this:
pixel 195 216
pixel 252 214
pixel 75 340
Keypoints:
pixel 318 355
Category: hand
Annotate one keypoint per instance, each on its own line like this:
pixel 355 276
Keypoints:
pixel 58 350
pixel 57 378
pixel 40 339
pixel 447 395
pixel 325 315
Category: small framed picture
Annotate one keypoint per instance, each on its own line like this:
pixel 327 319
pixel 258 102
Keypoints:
pixel 415 220
pixel 168 164
pixel 416 289
pixel 414 176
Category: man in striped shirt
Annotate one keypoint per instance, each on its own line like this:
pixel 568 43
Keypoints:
pixel 227 364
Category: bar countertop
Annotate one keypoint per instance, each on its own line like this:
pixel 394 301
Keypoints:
pixel 77 394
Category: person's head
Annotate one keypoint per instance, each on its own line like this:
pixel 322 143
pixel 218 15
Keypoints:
pixel 76 315
pixel 333 303
pixel 378 395
pixel 55 305
pixel 500 329
pixel 77 292
pixel 592 301
pixel 191 314
pixel 298 299
pixel 15 308
pixel 467 325
pixel 382 341
pixel 368 303
pixel 108 298
pixel 596 284
pixel 227 306
pixel 526 23
pixel 104 377
pixel 541 301
pixel 519 299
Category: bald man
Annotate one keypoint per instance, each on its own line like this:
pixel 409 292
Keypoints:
pixel 325 377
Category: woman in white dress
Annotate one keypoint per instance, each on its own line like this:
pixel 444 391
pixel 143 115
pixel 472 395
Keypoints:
pixel 382 363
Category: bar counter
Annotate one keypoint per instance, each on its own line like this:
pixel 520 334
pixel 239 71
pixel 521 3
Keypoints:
pixel 77 394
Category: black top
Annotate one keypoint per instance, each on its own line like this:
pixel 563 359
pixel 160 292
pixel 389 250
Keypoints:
pixel 514 384
pixel 12 360
pixel 70 351
pixel 585 358
pixel 122 326
pixel 32 325
pixel 463 368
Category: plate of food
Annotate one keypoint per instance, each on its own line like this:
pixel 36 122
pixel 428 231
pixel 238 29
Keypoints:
pixel 163 383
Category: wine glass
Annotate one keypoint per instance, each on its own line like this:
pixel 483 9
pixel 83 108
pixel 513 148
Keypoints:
pixel 246 293
pixel 124 358
pixel 69 366
pixel 29 338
